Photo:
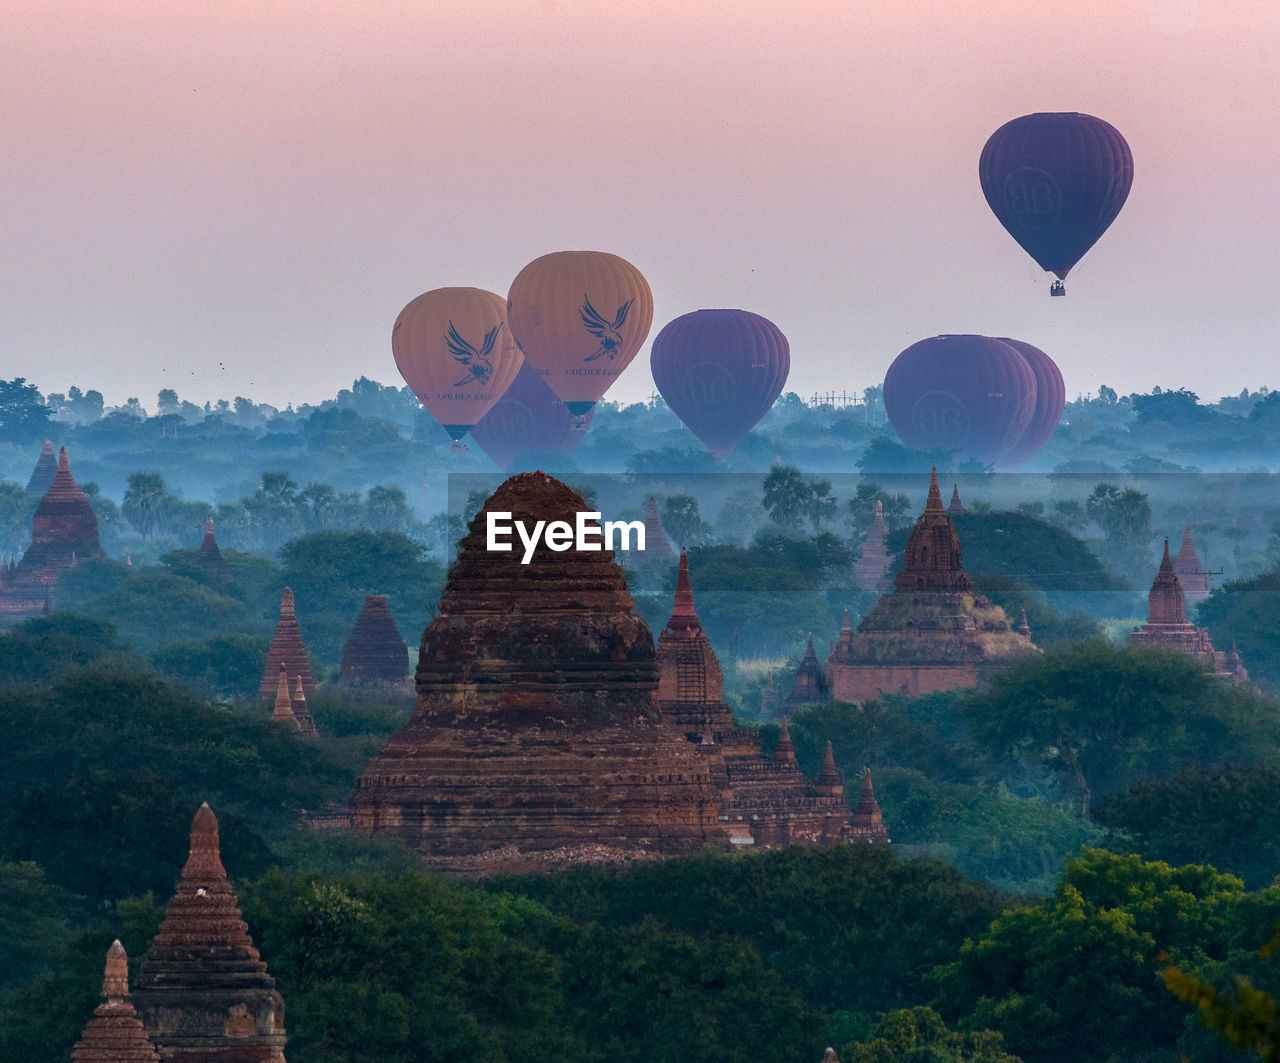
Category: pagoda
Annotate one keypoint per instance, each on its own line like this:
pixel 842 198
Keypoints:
pixel 1191 574
pixel 867 821
pixel 374 651
pixel 656 543
pixel 873 566
pixel 1167 626
pixel 211 558
pixel 204 994
pixel 932 632
pixel 537 740
pixel 765 800
pixel 810 686
pixel 287 651
pixel 290 708
pixel 955 507
pixel 46 469
pixel 115 1034
pixel 64 532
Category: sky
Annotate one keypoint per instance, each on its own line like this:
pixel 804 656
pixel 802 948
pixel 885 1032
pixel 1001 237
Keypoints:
pixel 237 198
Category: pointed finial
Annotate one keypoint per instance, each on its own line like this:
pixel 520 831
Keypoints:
pixel 879 508
pixel 1166 563
pixel 684 593
pixel 845 624
pixel 204 863
pixel 115 980
pixel 286 602
pixel 299 695
pixel 283 709
pixel 63 464
pixel 933 504
pixel 784 750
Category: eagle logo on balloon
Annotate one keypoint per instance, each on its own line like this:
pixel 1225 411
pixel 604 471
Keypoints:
pixel 476 361
pixel 608 333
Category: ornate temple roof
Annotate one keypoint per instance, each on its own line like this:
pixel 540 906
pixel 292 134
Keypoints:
pixel 867 822
pixel 955 507
pixel 810 685
pixel 932 560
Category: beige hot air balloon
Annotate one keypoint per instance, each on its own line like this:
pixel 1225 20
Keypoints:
pixel 580 317
pixel 455 350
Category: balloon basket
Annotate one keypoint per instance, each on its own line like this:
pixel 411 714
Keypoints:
pixel 458 447
pixel 1057 288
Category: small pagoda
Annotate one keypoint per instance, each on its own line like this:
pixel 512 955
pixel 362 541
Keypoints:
pixel 765 799
pixel 867 822
pixel 1167 626
pixel 64 532
pixel 204 994
pixel 955 507
pixel 115 1034
pixel 810 686
pixel 287 651
pixel 933 631
pixel 1190 572
pixel 656 543
pixel 211 559
pixel 873 569
pixel 374 651
pixel 46 469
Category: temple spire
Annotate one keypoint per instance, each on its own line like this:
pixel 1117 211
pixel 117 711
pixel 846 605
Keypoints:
pixel 933 504
pixel 283 711
pixel 784 751
pixel 115 1034
pixel 829 783
pixel 956 507
pixel 867 821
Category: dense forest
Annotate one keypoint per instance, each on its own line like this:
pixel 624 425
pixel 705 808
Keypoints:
pixel 1092 819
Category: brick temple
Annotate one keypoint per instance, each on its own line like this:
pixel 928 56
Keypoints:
pixel 538 739
pixel 1167 626
pixel 211 559
pixel 64 532
pixel 933 631
pixel 115 1034
pixel 287 651
pixel 765 800
pixel 41 478
pixel 873 569
pixel 656 543
pixel 1191 574
pixel 204 994
pixel 374 651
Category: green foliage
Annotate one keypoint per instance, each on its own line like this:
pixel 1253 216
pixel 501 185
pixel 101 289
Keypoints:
pixel 805 911
pixel 1076 977
pixel 1247 613
pixel 41 649
pixel 1226 819
pixel 1098 718
pixel 918 1035
pixel 34 928
pixel 226 666
pixel 23 414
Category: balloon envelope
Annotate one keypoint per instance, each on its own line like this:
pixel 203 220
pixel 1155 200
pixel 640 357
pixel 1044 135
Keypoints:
pixel 580 317
pixel 1056 181
pixel 454 349
pixel 971 394
pixel 720 371
pixel 1051 398
pixel 528 419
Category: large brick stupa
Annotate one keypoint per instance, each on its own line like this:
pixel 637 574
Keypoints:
pixel 537 739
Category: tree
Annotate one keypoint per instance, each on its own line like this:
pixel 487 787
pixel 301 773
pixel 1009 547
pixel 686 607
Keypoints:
pixel 786 495
pixel 918 1035
pixel 23 414
pixel 145 501
pixel 167 402
pixel 16 511
pixel 387 509
pixel 821 505
pixel 683 522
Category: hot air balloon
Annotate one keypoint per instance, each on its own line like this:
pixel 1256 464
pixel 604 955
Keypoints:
pixel 971 394
pixel 720 371
pixel 1051 397
pixel 1056 181
pixel 454 349
pixel 528 419
pixel 580 317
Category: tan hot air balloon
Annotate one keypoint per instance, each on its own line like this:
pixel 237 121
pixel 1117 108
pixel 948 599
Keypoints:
pixel 454 349
pixel 580 317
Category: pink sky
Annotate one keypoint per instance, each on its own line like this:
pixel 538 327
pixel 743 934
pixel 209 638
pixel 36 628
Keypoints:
pixel 237 198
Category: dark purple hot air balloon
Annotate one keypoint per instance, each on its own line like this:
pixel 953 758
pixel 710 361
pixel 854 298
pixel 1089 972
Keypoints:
pixel 720 371
pixel 528 419
pixel 1056 181
pixel 971 394
pixel 1051 397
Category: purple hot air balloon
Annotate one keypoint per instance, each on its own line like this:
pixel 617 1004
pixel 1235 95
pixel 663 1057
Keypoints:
pixel 971 394
pixel 720 371
pixel 1051 397
pixel 1056 181
pixel 528 419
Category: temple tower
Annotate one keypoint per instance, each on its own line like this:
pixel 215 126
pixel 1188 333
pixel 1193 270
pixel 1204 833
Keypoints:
pixel 656 543
pixel 46 469
pixel 374 651
pixel 955 507
pixel 933 551
pixel 1190 572
pixel 690 683
pixel 211 557
pixel 115 1034
pixel 810 686
pixel 872 568
pixel 204 994
pixel 287 651
pixel 867 822
pixel 538 739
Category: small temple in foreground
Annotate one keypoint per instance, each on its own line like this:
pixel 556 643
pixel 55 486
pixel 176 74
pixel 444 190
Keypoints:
pixel 115 1034
pixel 204 994
pixel 933 631
pixel 1167 626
